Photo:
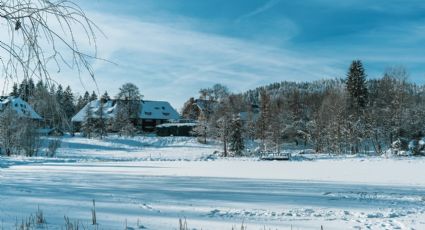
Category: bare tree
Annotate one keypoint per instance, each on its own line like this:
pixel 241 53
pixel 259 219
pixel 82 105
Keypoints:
pixel 41 32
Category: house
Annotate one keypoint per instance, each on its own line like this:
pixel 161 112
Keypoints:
pixel 152 113
pixel 180 128
pixel 21 107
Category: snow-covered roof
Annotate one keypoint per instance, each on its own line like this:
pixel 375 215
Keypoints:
pixel 167 125
pixel 158 110
pixel 155 110
pixel 21 107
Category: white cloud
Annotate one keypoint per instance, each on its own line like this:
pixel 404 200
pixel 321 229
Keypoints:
pixel 173 62
pixel 259 10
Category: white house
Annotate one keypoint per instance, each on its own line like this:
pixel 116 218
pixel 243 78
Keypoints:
pixel 21 107
pixel 152 113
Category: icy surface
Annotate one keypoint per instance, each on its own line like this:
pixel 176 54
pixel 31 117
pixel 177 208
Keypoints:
pixel 156 181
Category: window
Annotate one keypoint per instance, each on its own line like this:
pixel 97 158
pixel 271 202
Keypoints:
pixel 166 114
pixel 148 113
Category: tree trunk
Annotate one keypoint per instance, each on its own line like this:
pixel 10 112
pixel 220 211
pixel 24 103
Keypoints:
pixel 225 147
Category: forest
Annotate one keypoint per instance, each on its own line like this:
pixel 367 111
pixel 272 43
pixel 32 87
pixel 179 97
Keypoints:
pixel 350 115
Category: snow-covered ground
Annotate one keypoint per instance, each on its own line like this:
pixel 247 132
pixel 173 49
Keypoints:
pixel 155 181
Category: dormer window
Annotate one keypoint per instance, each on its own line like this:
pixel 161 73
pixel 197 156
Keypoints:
pixel 166 114
pixel 148 113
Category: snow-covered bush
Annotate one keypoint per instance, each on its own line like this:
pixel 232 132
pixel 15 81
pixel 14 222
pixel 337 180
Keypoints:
pixel 417 147
pixel 399 148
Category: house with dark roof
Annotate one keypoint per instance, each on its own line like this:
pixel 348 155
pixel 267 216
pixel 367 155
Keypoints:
pixel 151 114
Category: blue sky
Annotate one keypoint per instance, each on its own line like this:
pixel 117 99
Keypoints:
pixel 172 48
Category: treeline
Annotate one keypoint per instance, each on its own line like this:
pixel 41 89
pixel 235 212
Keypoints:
pixel 54 103
pixel 350 115
pixel 20 135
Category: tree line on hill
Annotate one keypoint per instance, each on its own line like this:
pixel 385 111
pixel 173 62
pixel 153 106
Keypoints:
pixel 346 116
pixel 350 115
pixel 57 105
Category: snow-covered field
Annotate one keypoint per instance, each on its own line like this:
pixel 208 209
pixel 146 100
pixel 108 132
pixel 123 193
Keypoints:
pixel 153 182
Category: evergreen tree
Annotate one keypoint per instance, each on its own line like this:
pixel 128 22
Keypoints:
pixel 67 103
pixel 356 85
pixel 105 97
pixel 236 141
pixel 93 96
pixel 80 104
pixel 15 91
pixel 86 98
pixel 31 86
pixel 24 90
pixel 59 94
pixel 52 90
pixel 358 99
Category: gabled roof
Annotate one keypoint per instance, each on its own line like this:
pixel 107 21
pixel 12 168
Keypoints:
pixel 158 110
pixel 155 110
pixel 21 107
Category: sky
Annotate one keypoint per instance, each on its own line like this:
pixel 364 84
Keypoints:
pixel 172 48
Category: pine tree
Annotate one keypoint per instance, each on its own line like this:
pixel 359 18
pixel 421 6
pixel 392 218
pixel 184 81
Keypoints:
pixel 24 90
pixel 52 89
pixel 236 141
pixel 15 91
pixel 86 98
pixel 67 103
pixel 356 85
pixel 93 96
pixel 31 88
pixel 105 97
pixel 80 104
pixel 59 94
pixel 358 99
